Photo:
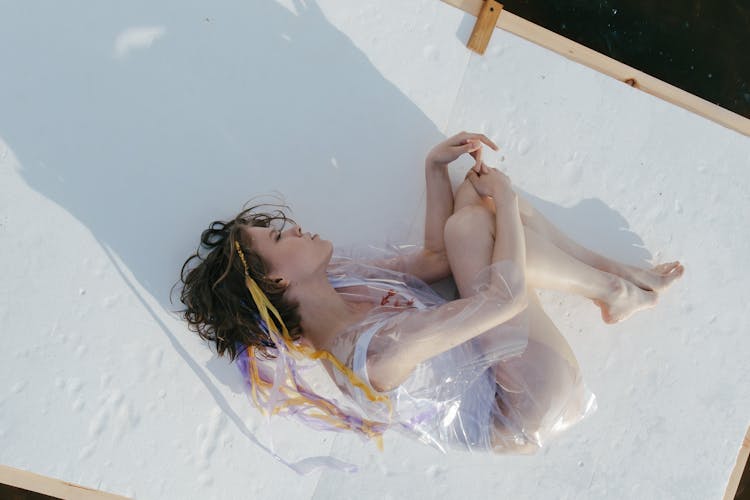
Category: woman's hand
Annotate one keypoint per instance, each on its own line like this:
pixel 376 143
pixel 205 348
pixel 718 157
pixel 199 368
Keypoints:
pixel 494 183
pixel 453 147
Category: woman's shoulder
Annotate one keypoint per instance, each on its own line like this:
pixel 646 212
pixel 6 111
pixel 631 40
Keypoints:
pixel 360 343
pixel 357 334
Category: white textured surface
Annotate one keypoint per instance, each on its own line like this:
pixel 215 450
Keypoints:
pixel 115 154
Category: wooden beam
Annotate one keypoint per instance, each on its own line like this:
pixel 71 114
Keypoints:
pixel 485 25
pixel 595 60
pixel 50 486
pixel 739 467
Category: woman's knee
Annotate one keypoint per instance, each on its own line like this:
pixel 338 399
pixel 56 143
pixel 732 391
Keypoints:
pixel 466 195
pixel 469 240
pixel 468 222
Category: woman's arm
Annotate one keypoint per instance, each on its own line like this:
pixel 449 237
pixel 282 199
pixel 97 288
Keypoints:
pixel 430 263
pixel 439 203
pixel 421 335
pixel 426 265
pixel 439 206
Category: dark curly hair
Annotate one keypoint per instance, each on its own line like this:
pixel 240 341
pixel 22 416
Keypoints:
pixel 219 307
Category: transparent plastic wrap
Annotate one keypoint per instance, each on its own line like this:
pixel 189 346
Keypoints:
pixel 467 374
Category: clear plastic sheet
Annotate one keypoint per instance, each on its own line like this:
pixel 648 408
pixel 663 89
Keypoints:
pixel 467 375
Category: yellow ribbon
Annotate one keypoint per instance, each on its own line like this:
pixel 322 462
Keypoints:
pixel 264 306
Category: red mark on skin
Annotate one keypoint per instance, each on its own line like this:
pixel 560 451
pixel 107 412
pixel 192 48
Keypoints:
pixel 390 294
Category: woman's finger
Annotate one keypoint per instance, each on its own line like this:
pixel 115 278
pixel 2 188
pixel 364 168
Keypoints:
pixel 479 159
pixel 459 139
pixel 485 140
pixel 491 144
pixel 476 153
pixel 472 145
pixel 463 137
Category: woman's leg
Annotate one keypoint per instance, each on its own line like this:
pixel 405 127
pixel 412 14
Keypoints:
pixel 655 279
pixel 542 387
pixel 539 393
pixel 469 242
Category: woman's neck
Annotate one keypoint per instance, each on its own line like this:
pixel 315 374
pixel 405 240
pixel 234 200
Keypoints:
pixel 325 314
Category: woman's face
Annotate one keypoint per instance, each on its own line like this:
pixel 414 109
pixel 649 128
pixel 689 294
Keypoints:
pixel 290 253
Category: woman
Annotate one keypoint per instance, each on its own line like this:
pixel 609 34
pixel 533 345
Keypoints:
pixel 487 371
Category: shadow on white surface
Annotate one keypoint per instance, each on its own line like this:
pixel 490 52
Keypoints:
pixel 147 139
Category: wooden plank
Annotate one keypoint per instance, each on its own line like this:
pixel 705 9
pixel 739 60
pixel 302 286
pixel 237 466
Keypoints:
pixel 739 467
pixel 50 486
pixel 595 60
pixel 485 25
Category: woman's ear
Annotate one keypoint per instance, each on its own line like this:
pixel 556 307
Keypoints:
pixel 279 280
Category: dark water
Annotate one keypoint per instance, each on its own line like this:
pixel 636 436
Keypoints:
pixel 701 47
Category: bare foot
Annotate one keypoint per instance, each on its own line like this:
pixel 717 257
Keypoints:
pixel 625 299
pixel 655 279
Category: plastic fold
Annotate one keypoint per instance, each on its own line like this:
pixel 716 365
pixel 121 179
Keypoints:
pixel 474 374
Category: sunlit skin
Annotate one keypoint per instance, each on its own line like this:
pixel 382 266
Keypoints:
pixel 553 260
pixel 300 261
pixel 460 241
